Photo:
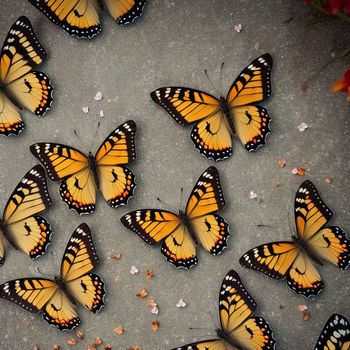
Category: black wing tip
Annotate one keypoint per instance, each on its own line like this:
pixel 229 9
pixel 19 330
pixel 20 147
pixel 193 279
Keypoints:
pixel 267 57
pixel 84 227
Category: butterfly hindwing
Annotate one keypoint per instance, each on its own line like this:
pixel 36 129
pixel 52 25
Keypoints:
pixel 214 344
pixel 125 11
pixel 78 18
pixel 335 334
pixel 10 120
pixel 212 137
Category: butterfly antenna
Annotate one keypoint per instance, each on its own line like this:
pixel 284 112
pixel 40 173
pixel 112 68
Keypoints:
pixel 165 203
pixel 92 143
pixel 211 83
pixel 263 225
pixel 76 134
pixel 182 190
pixel 44 274
pixel 221 70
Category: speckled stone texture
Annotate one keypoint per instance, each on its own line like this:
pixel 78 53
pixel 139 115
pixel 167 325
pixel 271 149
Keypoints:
pixel 172 44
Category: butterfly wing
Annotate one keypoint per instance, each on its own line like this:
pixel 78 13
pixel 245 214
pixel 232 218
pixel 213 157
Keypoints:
pixel 206 198
pixel 151 225
pixel 26 230
pixel 125 11
pixel 214 344
pixel 78 18
pixel 273 259
pixel 235 307
pixel 303 276
pixel 70 165
pixel 80 256
pixel 117 183
pixel 332 245
pixel 252 86
pixel 335 334
pixel 311 213
pixel 10 120
pixel 2 250
pixel 211 136
pixel 32 294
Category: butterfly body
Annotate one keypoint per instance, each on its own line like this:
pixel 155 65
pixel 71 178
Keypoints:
pixel 227 338
pixel 93 167
pixel 228 114
pixel 185 220
pixel 306 248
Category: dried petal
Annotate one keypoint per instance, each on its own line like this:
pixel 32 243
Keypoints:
pixel 155 325
pixel 71 341
pixel 328 179
pixel 102 113
pixel 98 341
pixel 306 315
pixel 119 330
pixel 108 347
pixel 98 96
pixel 86 109
pixel 117 279
pixel 282 163
pixel 302 308
pixel 155 310
pixel 302 127
pixel 149 273
pixel 92 347
pixel 238 28
pixel 56 347
pixel 115 257
pixel 300 171
pixel 80 335
pixel 252 195
pixel 151 303
pixel 134 270
pixel 180 303
pixel 142 293
pixel 257 46
pixel 36 347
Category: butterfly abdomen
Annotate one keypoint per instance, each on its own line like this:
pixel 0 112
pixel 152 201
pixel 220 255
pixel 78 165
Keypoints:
pixel 226 337
pixel 93 167
pixel 225 108
pixel 305 247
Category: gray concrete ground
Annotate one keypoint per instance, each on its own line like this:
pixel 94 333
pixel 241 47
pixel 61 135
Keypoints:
pixel 172 44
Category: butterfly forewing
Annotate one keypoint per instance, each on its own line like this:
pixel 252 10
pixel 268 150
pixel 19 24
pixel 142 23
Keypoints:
pixel 31 294
pixel 78 18
pixel 151 225
pixel 335 334
pixel 311 213
pixel 21 52
pixel 125 11
pixel 2 250
pixel 273 259
pixel 80 256
pixel 207 196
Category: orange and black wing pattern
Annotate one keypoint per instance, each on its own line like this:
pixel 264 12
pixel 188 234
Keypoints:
pixel 125 11
pixel 253 85
pixel 78 18
pixel 335 334
pixel 22 86
pixel 117 182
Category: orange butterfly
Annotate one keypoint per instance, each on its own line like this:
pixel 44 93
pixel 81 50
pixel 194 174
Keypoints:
pixel 82 175
pixel 218 119
pixel 179 233
pixel 313 242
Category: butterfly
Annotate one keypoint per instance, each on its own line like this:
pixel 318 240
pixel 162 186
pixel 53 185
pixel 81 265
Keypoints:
pixel 81 175
pixel 238 329
pixel 56 298
pixel 81 18
pixel 179 233
pixel 335 334
pixel 313 243
pixel 21 226
pixel 20 85
pixel 217 119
